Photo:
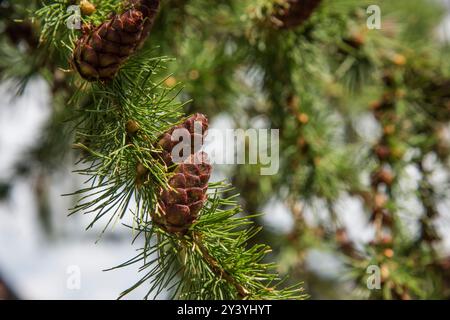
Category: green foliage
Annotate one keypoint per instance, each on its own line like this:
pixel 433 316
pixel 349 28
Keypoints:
pixel 212 260
pixel 319 84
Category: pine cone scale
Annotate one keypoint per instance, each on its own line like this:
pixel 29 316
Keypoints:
pixel 177 196
pixel 192 180
pixel 178 181
pixel 86 68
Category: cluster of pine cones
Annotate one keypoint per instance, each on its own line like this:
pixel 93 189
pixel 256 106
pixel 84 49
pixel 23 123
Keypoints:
pixel 181 204
pixel 98 56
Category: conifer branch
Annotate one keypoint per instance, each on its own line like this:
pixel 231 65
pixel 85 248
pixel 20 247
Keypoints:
pixel 217 269
pixel 307 67
pixel 120 117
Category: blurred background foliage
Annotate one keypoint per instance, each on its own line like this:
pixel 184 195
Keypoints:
pixel 363 118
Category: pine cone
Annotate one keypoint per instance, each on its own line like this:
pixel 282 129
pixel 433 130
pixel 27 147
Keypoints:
pixel 99 53
pixel 180 205
pixel 167 145
pixel 383 152
pixel 296 13
pixel 382 175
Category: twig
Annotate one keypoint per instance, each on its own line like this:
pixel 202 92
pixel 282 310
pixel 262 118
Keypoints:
pixel 217 269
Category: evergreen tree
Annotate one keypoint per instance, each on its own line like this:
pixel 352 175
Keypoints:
pixel 313 69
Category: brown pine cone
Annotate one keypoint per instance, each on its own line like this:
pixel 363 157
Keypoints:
pixel 180 205
pixel 382 175
pixel 100 52
pixel 295 13
pixel 22 31
pixel 149 9
pixel 167 145
pixel 383 152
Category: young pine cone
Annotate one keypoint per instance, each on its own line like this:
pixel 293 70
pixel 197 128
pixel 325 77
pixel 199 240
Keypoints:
pixel 100 52
pixel 295 13
pixel 195 126
pixel 382 175
pixel 191 134
pixel 181 204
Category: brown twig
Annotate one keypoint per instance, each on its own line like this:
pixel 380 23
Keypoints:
pixel 217 268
